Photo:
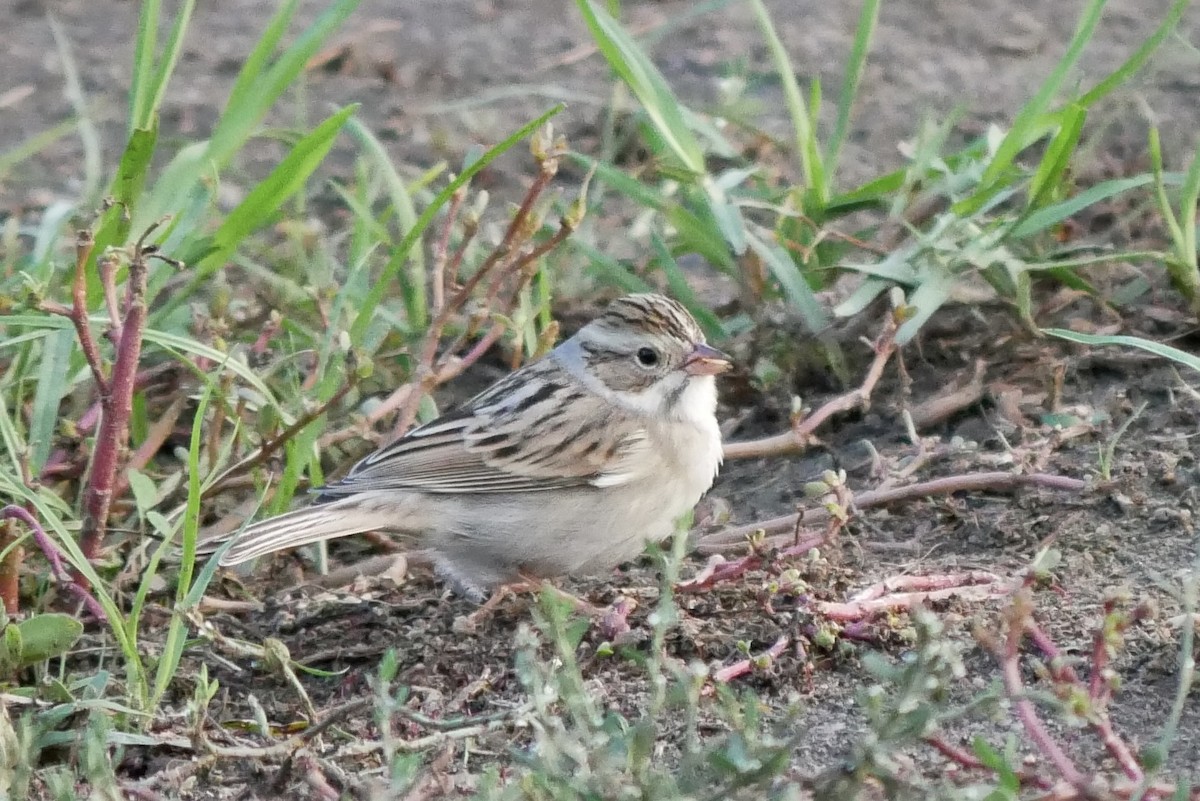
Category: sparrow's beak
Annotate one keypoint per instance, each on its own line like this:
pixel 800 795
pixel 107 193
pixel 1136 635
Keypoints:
pixel 706 360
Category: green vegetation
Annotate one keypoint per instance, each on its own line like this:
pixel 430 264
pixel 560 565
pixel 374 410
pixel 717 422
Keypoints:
pixel 150 305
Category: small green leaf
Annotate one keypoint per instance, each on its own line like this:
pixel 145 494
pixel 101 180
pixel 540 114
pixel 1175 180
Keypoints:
pixel 145 493
pixel 45 636
pixel 925 300
pixel 11 648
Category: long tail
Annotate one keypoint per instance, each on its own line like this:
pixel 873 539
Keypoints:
pixel 353 515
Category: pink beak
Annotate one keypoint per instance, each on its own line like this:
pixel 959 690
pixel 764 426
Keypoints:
pixel 706 360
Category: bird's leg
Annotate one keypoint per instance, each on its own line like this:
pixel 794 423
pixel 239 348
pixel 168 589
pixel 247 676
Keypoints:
pixel 468 623
pixel 525 584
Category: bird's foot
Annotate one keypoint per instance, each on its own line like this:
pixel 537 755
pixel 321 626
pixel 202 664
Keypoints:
pixel 611 619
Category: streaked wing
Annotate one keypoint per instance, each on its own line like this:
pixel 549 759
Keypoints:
pixel 535 430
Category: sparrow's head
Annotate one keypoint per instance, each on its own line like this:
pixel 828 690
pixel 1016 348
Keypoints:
pixel 650 353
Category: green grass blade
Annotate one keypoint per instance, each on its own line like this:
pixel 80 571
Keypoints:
pixel 126 189
pixel 258 86
pixel 144 49
pixel 1025 128
pixel 875 194
pixel 1057 158
pixel 1160 192
pixel 788 274
pixel 638 72
pixel 52 385
pixel 862 297
pixel 868 18
pixel 10 438
pixel 1189 194
pixel 726 215
pixel 172 343
pixel 610 271
pixel 12 341
pixel 1149 346
pixel 260 205
pixel 406 218
pixel 34 145
pixel 682 290
pixel 604 173
pixel 803 123
pixel 93 164
pixel 239 117
pixel 1140 56
pixel 932 293
pixel 172 649
pixel 264 77
pixel 1049 216
pixel 153 91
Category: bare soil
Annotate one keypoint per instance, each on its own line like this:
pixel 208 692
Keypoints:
pixel 433 78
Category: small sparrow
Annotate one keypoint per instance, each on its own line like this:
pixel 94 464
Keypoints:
pixel 569 465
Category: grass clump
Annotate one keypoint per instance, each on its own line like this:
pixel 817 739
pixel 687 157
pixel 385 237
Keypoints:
pixel 991 212
pixel 164 359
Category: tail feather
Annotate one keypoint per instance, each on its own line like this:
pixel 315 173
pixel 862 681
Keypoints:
pixel 304 527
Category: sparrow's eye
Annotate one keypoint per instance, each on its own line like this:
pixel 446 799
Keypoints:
pixel 647 357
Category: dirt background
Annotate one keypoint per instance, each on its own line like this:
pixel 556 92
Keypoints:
pixel 434 78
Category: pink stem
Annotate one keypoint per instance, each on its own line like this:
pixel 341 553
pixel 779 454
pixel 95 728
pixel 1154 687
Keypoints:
pixel 51 552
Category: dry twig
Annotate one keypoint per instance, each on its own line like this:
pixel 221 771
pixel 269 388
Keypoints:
pixel 801 434
pixel 735 538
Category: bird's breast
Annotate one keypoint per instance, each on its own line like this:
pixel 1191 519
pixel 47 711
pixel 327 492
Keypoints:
pixel 688 455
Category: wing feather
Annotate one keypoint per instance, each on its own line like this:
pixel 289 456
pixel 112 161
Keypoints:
pixel 534 431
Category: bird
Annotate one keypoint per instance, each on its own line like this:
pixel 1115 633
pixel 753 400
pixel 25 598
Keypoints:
pixel 567 466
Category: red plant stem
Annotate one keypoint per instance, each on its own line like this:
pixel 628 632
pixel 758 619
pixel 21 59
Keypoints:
pixel 744 666
pixel 1097 717
pixel 965 759
pixel 800 435
pixel 427 375
pixel 60 463
pixel 1010 670
pixel 78 314
pixel 269 447
pixel 10 568
pixel 116 404
pixel 494 258
pixel 50 550
pixel 442 249
pixel 107 267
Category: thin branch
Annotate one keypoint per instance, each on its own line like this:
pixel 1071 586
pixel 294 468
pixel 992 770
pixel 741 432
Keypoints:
pixel 744 666
pixel 77 313
pixel 441 251
pixel 951 401
pixel 268 448
pixel 964 758
pixel 117 404
pixel 10 567
pixel 1097 718
pixel 1010 671
pixel 971 586
pixel 968 482
pixel 51 551
pixel 801 434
